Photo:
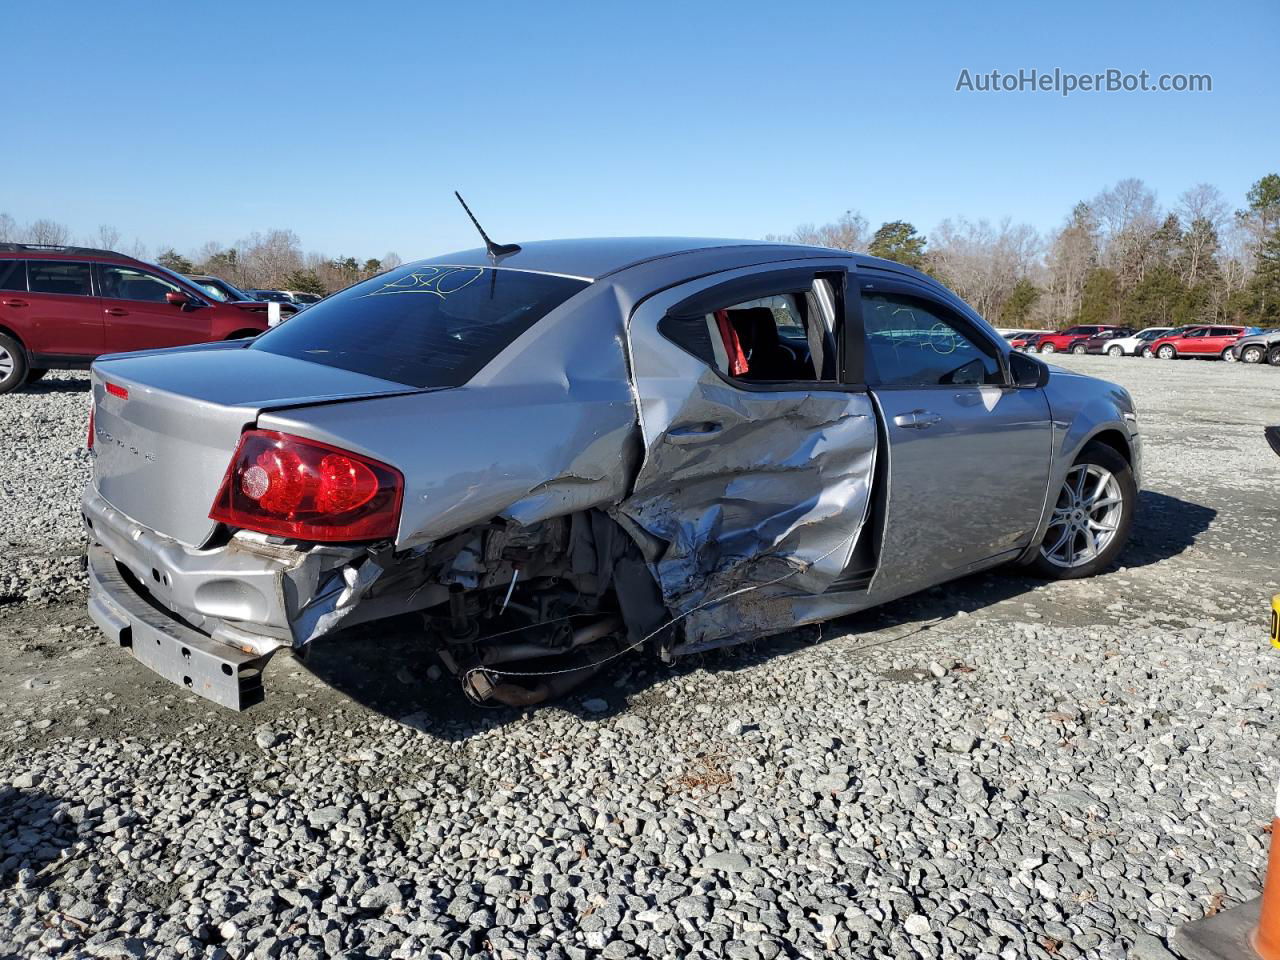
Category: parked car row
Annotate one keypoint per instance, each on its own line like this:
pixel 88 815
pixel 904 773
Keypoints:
pixel 1203 340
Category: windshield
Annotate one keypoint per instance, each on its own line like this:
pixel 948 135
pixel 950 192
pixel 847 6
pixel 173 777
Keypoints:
pixel 423 326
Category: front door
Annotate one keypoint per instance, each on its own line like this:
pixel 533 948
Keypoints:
pixel 137 315
pixel 968 457
pixel 757 454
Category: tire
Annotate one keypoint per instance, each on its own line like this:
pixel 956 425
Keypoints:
pixel 1079 348
pixel 1115 351
pixel 1048 348
pixel 13 364
pixel 1147 354
pixel 1064 553
pixel 1167 352
pixel 1273 356
pixel 1252 354
pixel 34 374
pixel 1228 356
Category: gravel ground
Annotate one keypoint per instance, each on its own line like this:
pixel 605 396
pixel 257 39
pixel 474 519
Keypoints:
pixel 996 768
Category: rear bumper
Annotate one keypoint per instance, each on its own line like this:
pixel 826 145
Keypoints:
pixel 216 671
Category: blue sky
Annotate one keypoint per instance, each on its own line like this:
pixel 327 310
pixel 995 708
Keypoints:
pixel 352 123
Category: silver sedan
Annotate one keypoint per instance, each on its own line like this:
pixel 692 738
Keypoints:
pixel 572 451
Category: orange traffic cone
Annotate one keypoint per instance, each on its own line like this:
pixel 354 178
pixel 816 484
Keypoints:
pixel 1250 931
pixel 1266 938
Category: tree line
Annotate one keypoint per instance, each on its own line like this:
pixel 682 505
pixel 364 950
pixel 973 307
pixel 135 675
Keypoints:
pixel 1118 257
pixel 273 260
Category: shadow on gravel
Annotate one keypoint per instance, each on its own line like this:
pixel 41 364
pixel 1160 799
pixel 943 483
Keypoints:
pixel 384 666
pixel 29 839
pixel 1165 527
pixel 61 385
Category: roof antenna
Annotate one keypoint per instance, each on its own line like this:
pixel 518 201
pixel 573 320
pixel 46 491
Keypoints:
pixel 496 250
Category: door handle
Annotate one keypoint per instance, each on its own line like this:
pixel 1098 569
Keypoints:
pixel 117 312
pixel 694 432
pixel 917 420
pixel 15 303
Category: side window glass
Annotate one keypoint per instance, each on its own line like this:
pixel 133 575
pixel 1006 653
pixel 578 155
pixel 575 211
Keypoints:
pixel 913 342
pixel 60 277
pixel 13 275
pixel 129 283
pixel 786 337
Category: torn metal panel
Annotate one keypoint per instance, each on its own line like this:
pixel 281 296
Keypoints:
pixel 744 488
pixel 546 429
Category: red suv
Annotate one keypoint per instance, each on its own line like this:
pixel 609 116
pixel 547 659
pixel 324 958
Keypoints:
pixel 1064 340
pixel 1213 342
pixel 61 307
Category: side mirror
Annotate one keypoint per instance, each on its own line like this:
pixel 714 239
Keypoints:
pixel 1027 371
pixel 177 298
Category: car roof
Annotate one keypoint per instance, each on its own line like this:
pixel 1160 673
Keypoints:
pixel 591 258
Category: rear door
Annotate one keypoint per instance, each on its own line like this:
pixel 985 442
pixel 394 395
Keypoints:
pixel 1220 338
pixel 758 436
pixel 63 317
pixel 138 317
pixel 968 454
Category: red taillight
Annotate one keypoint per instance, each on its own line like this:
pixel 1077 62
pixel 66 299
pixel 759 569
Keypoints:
pixel 117 391
pixel 308 490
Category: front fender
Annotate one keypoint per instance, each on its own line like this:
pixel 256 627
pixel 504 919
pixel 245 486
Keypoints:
pixel 1082 410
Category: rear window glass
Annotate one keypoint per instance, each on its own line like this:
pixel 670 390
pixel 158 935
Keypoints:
pixel 13 275
pixel 423 326
pixel 59 276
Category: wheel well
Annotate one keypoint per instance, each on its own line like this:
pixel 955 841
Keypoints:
pixel 1116 441
pixel 12 336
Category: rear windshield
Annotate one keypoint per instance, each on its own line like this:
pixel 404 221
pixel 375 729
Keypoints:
pixel 423 326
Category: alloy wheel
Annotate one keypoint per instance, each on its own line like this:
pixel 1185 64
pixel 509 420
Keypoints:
pixel 1228 356
pixel 1166 352
pixel 1048 348
pixel 6 364
pixel 1251 355
pixel 1115 351
pixel 1085 518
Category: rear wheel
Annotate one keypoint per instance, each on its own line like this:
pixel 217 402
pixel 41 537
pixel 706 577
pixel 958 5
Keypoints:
pixel 1048 348
pixel 1115 351
pixel 1079 348
pixel 1252 353
pixel 1091 517
pixel 1228 356
pixel 1273 356
pixel 13 364
pixel 1166 352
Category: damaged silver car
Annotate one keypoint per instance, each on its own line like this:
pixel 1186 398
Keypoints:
pixel 566 452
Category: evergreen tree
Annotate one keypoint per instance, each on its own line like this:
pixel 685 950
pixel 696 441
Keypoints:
pixel 1100 297
pixel 1017 307
pixel 898 240
pixel 175 262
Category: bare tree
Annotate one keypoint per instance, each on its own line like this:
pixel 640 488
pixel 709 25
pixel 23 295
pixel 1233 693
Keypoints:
pixel 983 263
pixel 48 231
pixel 108 237
pixel 848 232
pixel 8 228
pixel 1073 252
pixel 391 260
pixel 1204 201
pixel 269 258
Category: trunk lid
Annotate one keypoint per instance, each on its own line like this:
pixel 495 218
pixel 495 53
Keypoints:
pixel 165 432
